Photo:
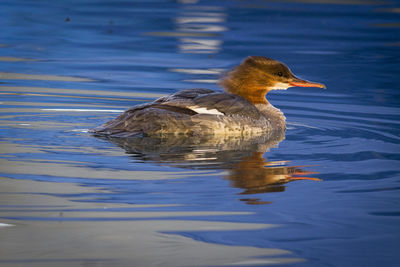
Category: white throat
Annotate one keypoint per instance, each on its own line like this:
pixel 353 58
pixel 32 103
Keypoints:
pixel 280 86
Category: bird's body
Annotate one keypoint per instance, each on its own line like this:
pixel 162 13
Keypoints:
pixel 195 111
pixel 241 110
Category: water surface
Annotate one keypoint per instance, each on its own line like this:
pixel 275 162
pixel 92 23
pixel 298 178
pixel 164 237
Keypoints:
pixel 325 194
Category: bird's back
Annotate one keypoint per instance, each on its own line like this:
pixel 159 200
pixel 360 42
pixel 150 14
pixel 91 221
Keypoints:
pixel 189 112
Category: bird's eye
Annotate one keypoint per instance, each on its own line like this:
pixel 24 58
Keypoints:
pixel 279 74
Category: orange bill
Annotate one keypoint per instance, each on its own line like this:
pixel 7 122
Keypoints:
pixel 303 83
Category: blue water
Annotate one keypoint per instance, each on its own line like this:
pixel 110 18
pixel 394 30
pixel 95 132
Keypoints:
pixel 327 194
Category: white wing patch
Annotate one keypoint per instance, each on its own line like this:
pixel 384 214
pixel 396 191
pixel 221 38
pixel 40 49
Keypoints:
pixel 205 110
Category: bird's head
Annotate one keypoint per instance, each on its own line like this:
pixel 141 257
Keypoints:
pixel 258 75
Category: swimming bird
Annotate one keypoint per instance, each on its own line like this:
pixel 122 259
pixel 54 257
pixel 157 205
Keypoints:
pixel 241 109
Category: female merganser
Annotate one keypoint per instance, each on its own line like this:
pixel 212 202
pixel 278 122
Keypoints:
pixel 241 110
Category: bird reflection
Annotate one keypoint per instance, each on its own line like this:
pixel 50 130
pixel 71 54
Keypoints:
pixel 242 158
pixel 256 175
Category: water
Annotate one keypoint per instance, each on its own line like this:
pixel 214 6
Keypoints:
pixel 326 194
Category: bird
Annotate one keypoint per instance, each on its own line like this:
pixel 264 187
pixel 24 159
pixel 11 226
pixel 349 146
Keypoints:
pixel 240 109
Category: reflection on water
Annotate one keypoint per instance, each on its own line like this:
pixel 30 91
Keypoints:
pixel 69 199
pixel 198 29
pixel 242 157
pixel 256 175
pixel 105 233
pixel 94 94
pixel 41 77
pixel 15 59
pixel 209 20
pixel 212 71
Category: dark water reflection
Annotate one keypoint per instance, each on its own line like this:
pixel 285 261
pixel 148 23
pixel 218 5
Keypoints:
pixel 69 199
pixel 242 157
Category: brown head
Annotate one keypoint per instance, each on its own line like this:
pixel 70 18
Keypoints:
pixel 257 75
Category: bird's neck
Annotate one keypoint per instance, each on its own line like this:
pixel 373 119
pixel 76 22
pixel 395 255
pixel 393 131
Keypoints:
pixel 246 88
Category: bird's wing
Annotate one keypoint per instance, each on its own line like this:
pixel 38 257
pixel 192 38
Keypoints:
pixel 177 109
pixel 204 101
